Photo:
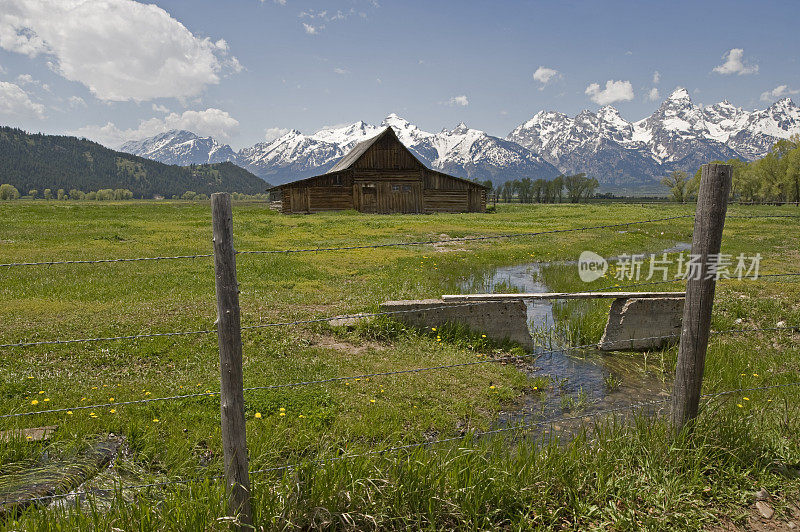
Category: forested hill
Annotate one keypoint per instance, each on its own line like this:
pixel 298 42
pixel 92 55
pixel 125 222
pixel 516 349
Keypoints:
pixel 36 161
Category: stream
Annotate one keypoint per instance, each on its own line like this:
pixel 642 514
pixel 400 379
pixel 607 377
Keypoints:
pixel 583 382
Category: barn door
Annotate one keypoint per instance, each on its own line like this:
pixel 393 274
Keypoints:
pixel 369 198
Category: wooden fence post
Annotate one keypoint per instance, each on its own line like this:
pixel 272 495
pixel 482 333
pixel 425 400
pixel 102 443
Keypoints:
pixel 712 203
pixel 234 441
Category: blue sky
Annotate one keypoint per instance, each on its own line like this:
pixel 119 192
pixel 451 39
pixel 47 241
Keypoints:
pixel 246 70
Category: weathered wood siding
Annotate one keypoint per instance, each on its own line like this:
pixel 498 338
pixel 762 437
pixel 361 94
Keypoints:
pixel 385 179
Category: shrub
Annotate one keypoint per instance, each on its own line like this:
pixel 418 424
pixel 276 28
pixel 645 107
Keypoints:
pixel 8 192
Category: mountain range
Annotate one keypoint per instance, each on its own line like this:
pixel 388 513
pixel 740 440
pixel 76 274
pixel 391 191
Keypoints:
pixel 36 161
pixel 679 135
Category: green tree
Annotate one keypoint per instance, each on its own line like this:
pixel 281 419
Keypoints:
pixel 48 194
pixel 60 194
pixel 32 193
pixel 76 194
pixel 188 195
pixel 8 192
pixel 678 184
pixel 579 186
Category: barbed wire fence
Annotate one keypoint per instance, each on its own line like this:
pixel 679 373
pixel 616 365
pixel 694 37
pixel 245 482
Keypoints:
pixel 237 476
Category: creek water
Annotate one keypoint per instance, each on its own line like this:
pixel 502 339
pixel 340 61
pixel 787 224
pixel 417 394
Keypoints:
pixel 583 381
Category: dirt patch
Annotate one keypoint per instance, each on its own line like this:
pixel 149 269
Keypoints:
pixel 331 342
pixel 445 247
pixel 758 522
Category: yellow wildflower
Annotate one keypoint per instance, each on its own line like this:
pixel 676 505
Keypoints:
pixel 491 387
pixel 155 420
pixel 372 400
pixel 258 415
pixel 41 392
pixel 739 405
pixel 46 399
pixel 483 336
pixel 113 410
pixel 110 399
pixel 746 398
pixel 282 409
pixel 34 402
pixel 69 412
pixel 282 414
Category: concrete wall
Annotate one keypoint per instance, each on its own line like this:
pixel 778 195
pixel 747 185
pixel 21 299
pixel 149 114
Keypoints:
pixel 633 318
pixel 498 320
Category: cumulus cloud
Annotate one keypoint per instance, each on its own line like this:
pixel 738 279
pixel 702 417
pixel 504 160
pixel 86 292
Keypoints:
pixel 781 91
pixel 735 64
pixel 312 30
pixel 341 71
pixel 615 91
pixel 160 108
pixel 462 100
pixel 653 95
pixel 211 122
pixel 656 77
pixel 273 133
pixel 545 75
pixel 14 101
pixel 121 50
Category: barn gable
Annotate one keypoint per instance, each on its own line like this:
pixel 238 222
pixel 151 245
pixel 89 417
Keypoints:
pixel 383 151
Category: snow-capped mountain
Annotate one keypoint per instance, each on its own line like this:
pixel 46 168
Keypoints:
pixel 678 135
pixel 182 148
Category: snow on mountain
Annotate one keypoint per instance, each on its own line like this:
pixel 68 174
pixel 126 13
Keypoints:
pixel 182 148
pixel 678 135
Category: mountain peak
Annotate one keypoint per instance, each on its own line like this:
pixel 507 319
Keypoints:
pixel 679 94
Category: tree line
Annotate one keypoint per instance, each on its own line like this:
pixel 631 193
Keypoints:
pixel 574 188
pixel 10 192
pixel 775 178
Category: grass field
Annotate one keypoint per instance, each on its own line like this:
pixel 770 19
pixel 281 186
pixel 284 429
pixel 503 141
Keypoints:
pixel 616 475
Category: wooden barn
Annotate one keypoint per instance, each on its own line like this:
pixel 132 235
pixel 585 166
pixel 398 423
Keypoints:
pixel 380 175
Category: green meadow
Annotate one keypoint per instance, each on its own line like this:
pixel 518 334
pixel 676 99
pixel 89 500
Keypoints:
pixel 618 473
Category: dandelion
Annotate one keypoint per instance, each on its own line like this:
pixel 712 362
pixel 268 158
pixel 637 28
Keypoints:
pixel 746 398
pixel 739 405
pixel 29 437
pixel 113 410
pixel 483 336
pixel 147 393
pixel 35 402
pixel 30 376
pixel 110 399
pixel 41 392
pixel 755 374
pixel 535 387
pixel 258 415
pixel 433 329
pixel 346 383
pixel 46 399
pixel 769 400
pixel 155 420
pixel 438 339
pixel 282 414
pixel 92 414
pixel 69 412
pixel 281 409
pixel 83 398
pixel 492 387
pixel 301 416
pixel 94 387
pixel 372 400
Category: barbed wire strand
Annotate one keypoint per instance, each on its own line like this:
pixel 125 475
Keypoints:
pixel 524 427
pixel 345 248
pixel 362 376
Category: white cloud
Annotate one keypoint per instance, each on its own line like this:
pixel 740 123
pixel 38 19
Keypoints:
pixel 656 77
pixel 341 71
pixel 120 49
pixel 273 133
pixel 735 64
pixel 312 30
pixel 653 95
pixel 211 122
pixel 462 100
pixel 781 91
pixel 615 91
pixel 544 75
pixel 2 70
pixel 160 108
pixel 279 2
pixel 15 101
pixel 76 101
